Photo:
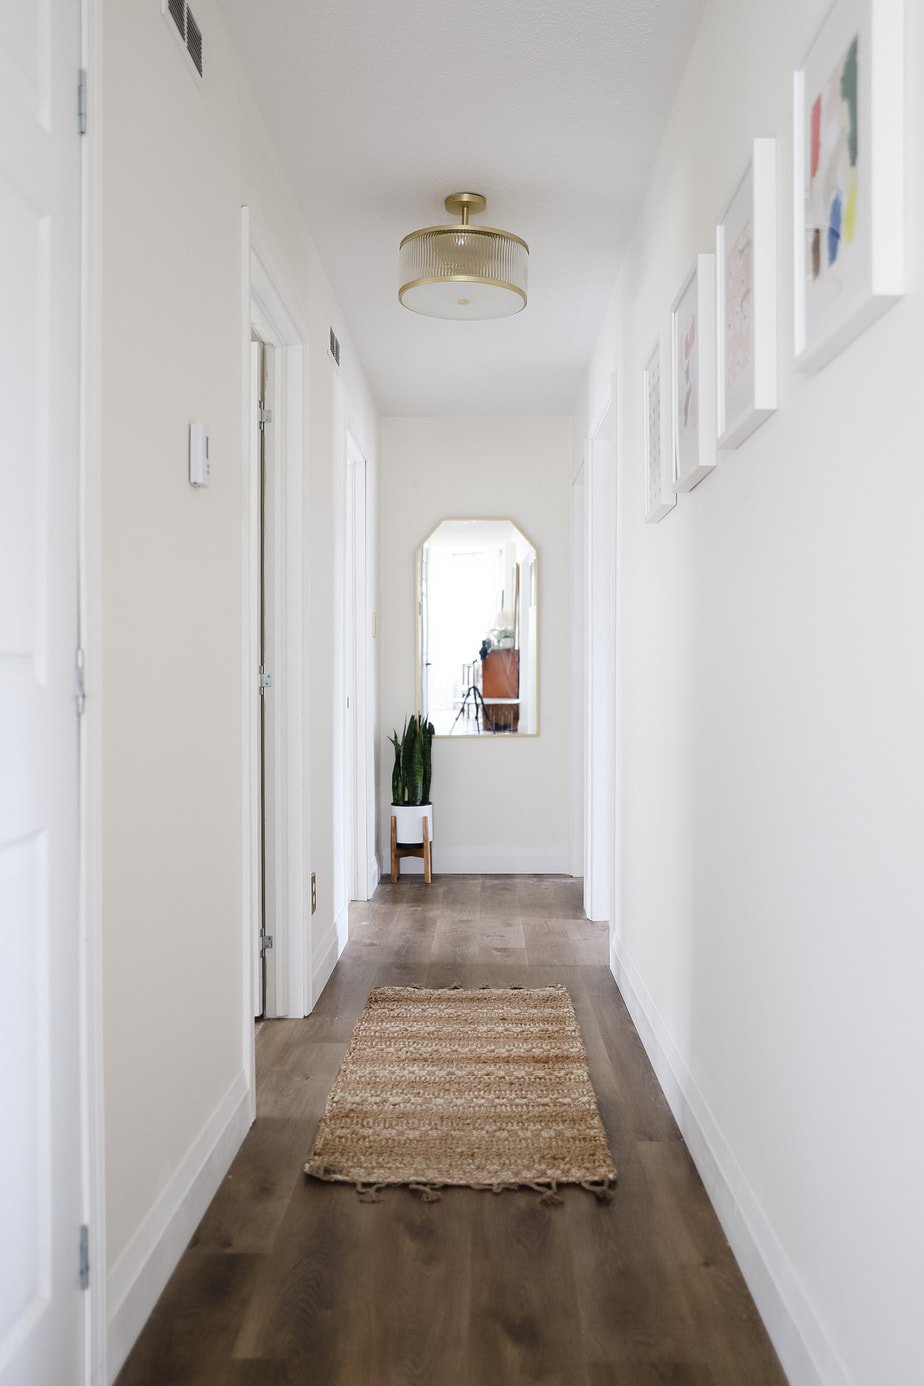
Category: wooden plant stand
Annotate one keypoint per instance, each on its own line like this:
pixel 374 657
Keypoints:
pixel 420 849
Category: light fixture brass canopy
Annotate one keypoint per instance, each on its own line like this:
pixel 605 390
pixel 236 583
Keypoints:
pixel 463 271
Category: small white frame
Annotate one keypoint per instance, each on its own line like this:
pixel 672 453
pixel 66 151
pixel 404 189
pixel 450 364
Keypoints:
pixel 739 411
pixel 699 288
pixel 660 498
pixel 872 277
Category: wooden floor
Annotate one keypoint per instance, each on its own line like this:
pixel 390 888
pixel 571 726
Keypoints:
pixel 289 1282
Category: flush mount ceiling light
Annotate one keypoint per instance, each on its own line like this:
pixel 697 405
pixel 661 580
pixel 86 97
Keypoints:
pixel 463 271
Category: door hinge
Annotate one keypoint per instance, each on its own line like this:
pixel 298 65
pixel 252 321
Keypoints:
pixel 80 693
pixel 84 1257
pixel 266 679
pixel 82 101
pixel 266 942
pixel 264 415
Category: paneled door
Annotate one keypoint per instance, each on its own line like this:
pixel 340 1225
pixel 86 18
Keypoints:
pixel 41 1342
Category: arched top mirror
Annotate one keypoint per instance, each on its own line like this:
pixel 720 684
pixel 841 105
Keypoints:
pixel 478 627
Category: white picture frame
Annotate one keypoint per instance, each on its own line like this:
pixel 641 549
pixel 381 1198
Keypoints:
pixel 848 168
pixel 745 277
pixel 660 498
pixel 692 337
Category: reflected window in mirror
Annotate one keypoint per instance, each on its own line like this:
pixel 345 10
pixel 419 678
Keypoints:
pixel 477 646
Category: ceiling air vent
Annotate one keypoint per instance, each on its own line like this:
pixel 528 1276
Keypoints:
pixel 334 347
pixel 188 30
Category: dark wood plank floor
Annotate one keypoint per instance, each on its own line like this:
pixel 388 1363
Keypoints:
pixel 289 1282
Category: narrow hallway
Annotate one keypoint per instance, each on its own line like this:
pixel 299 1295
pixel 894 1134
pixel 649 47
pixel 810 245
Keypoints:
pixel 288 1280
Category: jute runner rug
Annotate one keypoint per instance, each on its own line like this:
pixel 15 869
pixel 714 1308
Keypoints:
pixel 487 1089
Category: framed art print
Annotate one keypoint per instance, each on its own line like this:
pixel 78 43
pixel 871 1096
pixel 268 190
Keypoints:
pixel 745 271
pixel 693 452
pixel 659 491
pixel 848 177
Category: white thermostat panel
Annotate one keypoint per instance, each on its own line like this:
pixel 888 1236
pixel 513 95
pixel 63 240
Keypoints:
pixel 198 455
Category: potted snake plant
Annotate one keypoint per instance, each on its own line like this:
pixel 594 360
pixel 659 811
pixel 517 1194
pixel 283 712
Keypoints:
pixel 410 779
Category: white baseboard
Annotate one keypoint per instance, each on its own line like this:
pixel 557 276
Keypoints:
pixel 493 861
pixel 138 1277
pixel 807 1354
pixel 337 938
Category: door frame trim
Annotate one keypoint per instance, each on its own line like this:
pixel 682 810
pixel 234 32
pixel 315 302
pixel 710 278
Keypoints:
pixel 600 607
pixel 90 827
pixel 272 309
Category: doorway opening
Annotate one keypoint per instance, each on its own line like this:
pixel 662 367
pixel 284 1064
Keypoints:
pixel 277 945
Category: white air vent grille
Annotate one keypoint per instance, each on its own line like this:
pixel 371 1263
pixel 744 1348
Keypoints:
pixel 334 346
pixel 188 30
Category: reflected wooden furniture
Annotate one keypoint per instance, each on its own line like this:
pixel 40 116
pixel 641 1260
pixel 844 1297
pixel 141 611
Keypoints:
pixel 423 850
pixel 500 679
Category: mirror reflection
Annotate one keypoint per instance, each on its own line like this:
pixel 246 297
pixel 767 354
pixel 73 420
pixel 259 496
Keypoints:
pixel 478 627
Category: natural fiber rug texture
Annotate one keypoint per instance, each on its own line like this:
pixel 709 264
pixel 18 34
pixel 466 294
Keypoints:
pixel 487 1089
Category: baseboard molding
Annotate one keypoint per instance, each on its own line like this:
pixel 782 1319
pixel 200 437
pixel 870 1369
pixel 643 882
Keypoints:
pixel 493 861
pixel 337 938
pixel 807 1354
pixel 138 1277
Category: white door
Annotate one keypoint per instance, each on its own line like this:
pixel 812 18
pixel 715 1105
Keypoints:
pixel 268 663
pixel 41 1341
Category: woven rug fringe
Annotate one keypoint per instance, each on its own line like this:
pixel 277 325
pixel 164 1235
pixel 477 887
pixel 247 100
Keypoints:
pixel 430 1193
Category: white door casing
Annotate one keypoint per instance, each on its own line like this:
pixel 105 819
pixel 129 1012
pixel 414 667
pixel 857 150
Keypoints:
pixel 599 760
pixel 41 1315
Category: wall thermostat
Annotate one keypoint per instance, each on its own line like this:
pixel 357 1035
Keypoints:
pixel 198 455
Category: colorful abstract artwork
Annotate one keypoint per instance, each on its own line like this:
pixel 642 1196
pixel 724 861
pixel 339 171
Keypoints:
pixel 848 151
pixel 834 189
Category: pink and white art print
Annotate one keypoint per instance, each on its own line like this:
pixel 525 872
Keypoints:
pixel 746 300
pixel 848 119
pixel 659 491
pixel 693 412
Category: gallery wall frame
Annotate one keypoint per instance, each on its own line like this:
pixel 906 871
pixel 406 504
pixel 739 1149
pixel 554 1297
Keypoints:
pixel 746 307
pixel 693 390
pixel 848 175
pixel 660 497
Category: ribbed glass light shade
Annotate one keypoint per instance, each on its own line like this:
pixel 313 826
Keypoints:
pixel 463 272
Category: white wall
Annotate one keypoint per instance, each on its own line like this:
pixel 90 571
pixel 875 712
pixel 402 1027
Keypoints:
pixel 769 929
pixel 180 157
pixel 501 803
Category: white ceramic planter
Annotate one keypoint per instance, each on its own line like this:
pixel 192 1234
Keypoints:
pixel 410 820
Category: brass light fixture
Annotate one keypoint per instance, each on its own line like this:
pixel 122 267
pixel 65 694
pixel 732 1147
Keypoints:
pixel 463 271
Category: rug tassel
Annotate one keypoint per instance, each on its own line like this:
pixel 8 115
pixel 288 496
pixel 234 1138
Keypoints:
pixel 427 1192
pixel 603 1191
pixel 548 1196
pixel 371 1193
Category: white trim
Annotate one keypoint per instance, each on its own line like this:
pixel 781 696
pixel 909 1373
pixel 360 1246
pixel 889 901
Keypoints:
pixel 578 662
pixel 271 308
pixel 359 668
pixel 93 1133
pixel 492 861
pixel 600 493
pixel 339 934
pixel 138 1277
pixel 808 1356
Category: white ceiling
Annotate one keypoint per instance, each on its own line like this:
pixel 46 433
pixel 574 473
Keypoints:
pixel 551 108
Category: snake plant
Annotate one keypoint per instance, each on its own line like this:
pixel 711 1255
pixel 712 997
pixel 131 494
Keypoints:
pixel 412 771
